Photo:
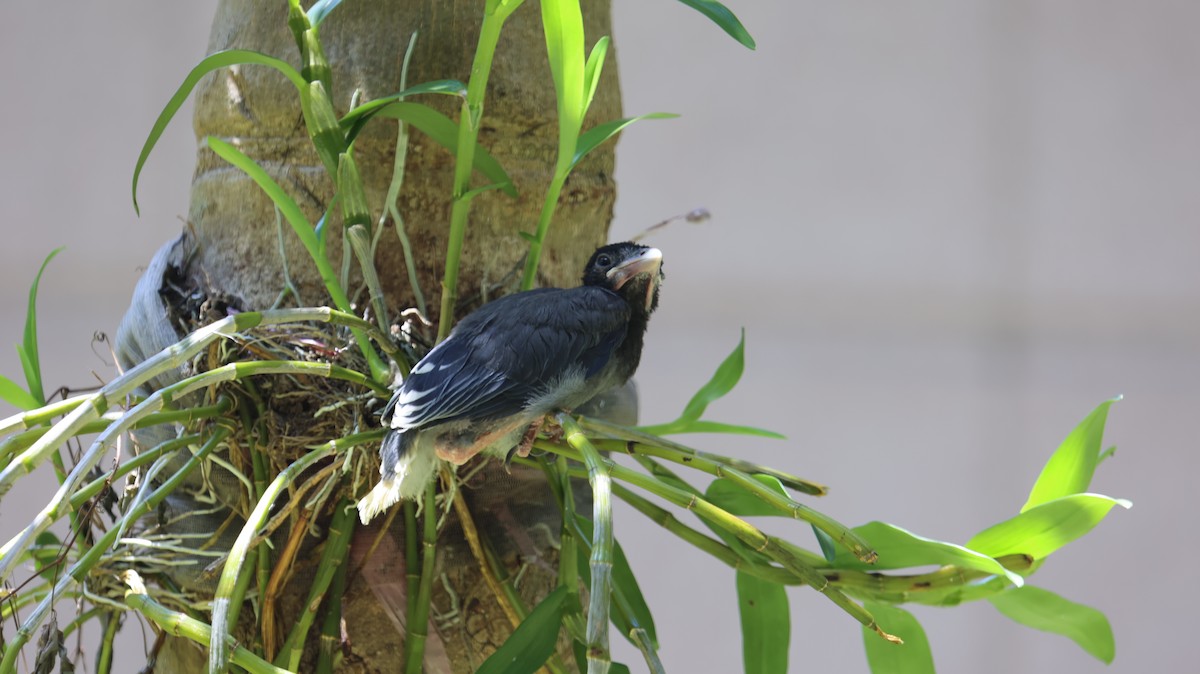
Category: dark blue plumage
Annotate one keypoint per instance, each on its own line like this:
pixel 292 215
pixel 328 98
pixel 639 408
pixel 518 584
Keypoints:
pixel 511 362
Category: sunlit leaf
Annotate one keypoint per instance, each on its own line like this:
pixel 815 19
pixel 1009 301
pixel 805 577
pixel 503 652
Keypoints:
pixel 28 349
pixel 1047 611
pixel 562 21
pixel 766 625
pixel 444 132
pixel 720 15
pixel 592 69
pixel 1070 468
pixel 532 643
pixel 1041 530
pixel 728 373
pixel 222 59
pixel 901 549
pixel 911 657
pixel 14 395
pixel 592 138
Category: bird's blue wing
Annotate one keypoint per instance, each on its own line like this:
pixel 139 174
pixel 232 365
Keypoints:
pixel 505 354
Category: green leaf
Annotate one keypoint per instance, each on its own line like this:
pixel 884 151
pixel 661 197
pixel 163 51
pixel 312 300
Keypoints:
pixel 221 59
pixel 28 350
pixel 766 625
pixel 624 582
pixel 1070 468
pixel 828 547
pixel 901 549
pixel 320 10
pixel 444 132
pixel 704 426
pixel 282 200
pixel 911 657
pixel 721 383
pixel 1041 530
pixel 729 495
pixel 728 373
pixel 592 138
pixel 592 69
pixel 45 553
pixel 532 643
pixel 354 120
pixel 720 15
pixel 562 22
pixel 16 396
pixel 1047 611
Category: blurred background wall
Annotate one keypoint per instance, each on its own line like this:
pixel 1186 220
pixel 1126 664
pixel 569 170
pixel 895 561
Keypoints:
pixel 950 227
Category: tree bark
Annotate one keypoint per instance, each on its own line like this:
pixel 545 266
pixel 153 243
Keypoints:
pixel 228 259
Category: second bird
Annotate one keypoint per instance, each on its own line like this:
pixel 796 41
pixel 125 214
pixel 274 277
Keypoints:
pixel 511 362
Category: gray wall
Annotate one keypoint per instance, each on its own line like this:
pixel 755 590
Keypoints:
pixel 950 229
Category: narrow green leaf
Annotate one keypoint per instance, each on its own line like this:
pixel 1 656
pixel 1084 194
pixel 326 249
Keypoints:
pixel 723 380
pixel 591 72
pixel 562 22
pixel 444 132
pixel 720 15
pixel 911 657
pixel 354 120
pixel 320 10
pixel 592 138
pixel 901 549
pixel 704 426
pixel 532 643
pixel 28 350
pixel 282 200
pixel 766 625
pixel 14 395
pixel 1070 468
pixel 1041 530
pixel 729 495
pixel 222 59
pixel 1049 612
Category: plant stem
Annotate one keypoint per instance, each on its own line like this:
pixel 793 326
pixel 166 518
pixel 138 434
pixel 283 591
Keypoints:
pixel 80 569
pixel 181 625
pixel 418 628
pixel 341 531
pixel 231 588
pixel 600 596
pixel 470 119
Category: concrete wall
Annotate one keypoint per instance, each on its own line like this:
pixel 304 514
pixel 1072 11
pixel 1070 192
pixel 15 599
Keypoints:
pixel 950 230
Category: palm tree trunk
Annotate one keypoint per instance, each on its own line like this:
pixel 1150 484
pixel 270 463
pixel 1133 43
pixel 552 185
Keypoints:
pixel 229 258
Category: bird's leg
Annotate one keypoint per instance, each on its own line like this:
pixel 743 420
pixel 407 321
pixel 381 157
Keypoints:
pixel 554 431
pixel 526 443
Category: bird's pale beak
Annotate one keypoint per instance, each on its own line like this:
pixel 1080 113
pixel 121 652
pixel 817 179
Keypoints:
pixel 648 262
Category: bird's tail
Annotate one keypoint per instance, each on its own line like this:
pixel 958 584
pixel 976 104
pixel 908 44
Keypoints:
pixel 406 469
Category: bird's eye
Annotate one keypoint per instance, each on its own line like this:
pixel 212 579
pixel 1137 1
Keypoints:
pixel 604 260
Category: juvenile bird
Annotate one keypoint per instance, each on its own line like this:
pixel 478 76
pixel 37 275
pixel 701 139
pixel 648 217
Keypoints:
pixel 511 362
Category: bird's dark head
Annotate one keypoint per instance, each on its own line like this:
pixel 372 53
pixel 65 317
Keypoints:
pixel 629 269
